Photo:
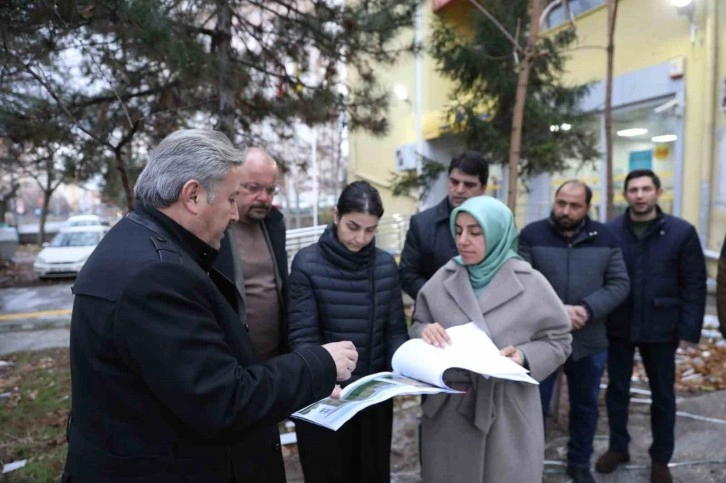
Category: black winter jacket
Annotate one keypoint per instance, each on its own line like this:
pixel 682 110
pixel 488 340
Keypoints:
pixel 335 294
pixel 668 282
pixel 166 387
pixel 588 270
pixel 429 245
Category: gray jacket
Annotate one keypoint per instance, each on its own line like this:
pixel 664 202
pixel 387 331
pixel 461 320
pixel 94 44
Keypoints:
pixel 588 270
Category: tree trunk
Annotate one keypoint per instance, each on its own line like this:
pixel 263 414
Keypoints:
pixel 47 193
pixel 43 218
pixel 515 142
pixel 223 38
pixel 7 197
pixel 608 114
pixel 125 182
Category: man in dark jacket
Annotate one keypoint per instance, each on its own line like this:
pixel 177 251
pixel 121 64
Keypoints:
pixel 253 255
pixel 583 262
pixel 166 386
pixel 666 305
pixel 429 244
pixel 721 290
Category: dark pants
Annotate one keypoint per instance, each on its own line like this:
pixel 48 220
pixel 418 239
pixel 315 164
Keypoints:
pixel 659 362
pixel 583 384
pixel 360 451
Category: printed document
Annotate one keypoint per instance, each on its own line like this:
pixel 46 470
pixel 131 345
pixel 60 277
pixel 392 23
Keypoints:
pixel 418 369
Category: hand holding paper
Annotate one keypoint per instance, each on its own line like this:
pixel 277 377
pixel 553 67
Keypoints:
pixel 471 349
pixel 418 369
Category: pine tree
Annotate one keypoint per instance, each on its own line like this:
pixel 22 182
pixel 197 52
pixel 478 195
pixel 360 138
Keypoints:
pixel 146 67
pixel 483 67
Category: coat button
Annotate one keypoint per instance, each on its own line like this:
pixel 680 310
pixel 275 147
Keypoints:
pixel 161 238
pixel 277 447
pixel 247 327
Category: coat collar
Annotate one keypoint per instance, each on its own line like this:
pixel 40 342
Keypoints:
pixel 202 253
pixel 442 210
pixel 657 225
pixel 584 231
pixel 337 254
pixel 504 286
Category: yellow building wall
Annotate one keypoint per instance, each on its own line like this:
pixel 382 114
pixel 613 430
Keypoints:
pixel 718 212
pixel 372 158
pixel 650 32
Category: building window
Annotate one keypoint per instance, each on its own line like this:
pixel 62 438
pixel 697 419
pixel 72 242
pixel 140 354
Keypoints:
pixel 559 15
pixel 643 138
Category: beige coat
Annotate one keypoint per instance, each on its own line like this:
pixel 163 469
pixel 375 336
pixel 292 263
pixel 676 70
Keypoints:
pixel 494 432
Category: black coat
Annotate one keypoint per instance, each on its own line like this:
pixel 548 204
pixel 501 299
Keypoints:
pixel 335 294
pixel 429 245
pixel 165 384
pixel 273 227
pixel 667 274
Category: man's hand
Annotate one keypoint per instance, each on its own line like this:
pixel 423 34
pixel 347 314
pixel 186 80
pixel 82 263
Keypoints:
pixel 578 316
pixel 436 335
pixel 345 357
pixel 511 352
pixel 336 392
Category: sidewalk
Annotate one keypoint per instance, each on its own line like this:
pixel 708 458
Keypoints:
pixel 696 442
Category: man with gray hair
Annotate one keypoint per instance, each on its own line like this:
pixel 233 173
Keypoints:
pixel 166 386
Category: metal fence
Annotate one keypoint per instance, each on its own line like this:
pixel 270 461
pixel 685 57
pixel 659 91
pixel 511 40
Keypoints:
pixel 390 236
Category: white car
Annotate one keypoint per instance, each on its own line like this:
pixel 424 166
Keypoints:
pixel 84 220
pixel 69 250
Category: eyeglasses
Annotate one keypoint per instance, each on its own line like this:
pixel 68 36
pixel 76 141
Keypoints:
pixel 255 189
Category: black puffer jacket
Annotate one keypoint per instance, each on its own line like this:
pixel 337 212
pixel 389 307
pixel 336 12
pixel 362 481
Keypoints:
pixel 335 294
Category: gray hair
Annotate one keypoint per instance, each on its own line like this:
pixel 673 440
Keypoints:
pixel 199 154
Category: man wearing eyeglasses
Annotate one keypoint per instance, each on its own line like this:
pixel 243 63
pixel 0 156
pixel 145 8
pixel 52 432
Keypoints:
pixel 253 255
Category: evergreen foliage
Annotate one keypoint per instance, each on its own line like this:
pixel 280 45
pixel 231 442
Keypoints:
pixel 120 74
pixel 482 66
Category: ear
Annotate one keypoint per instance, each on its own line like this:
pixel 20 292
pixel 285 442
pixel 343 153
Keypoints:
pixel 336 218
pixel 191 195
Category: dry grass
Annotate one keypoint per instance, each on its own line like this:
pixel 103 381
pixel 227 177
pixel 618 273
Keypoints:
pixel 33 413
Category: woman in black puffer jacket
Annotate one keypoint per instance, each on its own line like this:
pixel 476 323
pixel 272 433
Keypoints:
pixel 344 288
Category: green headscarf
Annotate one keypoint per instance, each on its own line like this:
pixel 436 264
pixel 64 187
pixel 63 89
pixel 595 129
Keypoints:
pixel 500 235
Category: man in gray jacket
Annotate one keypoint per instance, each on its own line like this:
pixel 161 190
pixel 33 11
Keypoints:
pixel 581 259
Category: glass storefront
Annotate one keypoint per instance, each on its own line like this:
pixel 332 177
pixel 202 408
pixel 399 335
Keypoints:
pixel 645 136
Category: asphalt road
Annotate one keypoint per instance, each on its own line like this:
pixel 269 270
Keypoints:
pixel 35 318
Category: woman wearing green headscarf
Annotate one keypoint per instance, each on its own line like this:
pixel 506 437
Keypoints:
pixel 493 432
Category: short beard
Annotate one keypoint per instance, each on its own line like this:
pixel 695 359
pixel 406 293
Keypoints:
pixel 573 224
pixel 255 219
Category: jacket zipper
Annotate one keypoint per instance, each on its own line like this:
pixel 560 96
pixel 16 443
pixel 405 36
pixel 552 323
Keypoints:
pixel 372 315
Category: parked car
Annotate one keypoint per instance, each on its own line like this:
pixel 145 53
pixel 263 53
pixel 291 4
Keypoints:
pixel 85 220
pixel 65 255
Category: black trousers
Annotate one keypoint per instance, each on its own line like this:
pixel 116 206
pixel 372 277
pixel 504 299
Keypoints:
pixel 360 451
pixel 659 362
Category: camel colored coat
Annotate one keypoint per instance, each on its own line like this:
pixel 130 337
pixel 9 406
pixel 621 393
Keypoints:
pixel 494 432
